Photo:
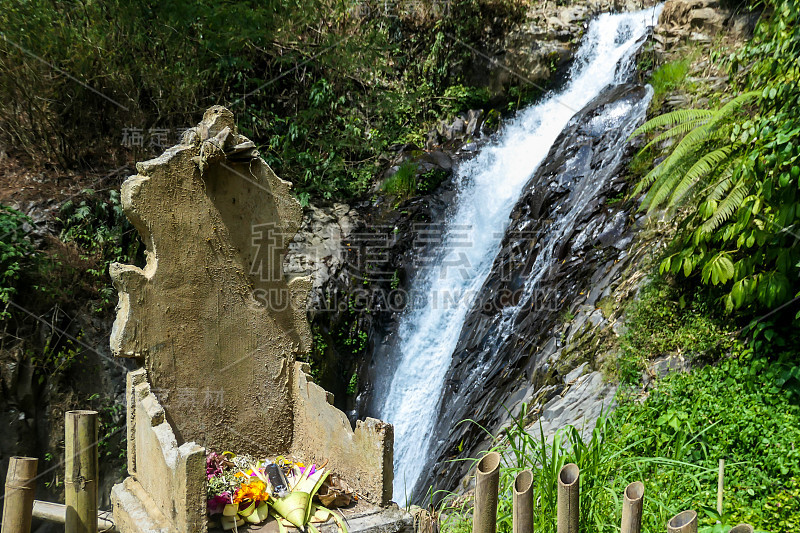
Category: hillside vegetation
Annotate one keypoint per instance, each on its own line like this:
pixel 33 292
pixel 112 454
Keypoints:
pixel 325 89
pixel 723 295
pixel 322 87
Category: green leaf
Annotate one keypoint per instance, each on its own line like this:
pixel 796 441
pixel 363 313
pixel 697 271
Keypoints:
pixel 719 269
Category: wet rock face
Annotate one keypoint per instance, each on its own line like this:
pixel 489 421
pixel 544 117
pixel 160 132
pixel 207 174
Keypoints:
pixel 563 221
pixel 700 21
pixel 404 254
pixel 317 251
pixel 358 257
pixel 542 46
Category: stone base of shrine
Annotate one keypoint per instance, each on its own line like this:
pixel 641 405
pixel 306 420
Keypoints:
pixel 359 518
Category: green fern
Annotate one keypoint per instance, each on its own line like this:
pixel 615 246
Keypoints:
pixel 681 129
pixel 704 147
pixel 702 168
pixel 672 119
pixel 725 181
pixel 735 171
pixel 726 207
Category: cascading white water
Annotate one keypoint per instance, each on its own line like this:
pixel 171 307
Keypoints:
pixel 489 186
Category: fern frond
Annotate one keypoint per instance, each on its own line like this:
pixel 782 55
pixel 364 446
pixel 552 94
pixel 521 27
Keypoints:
pixel 713 128
pixel 726 208
pixel 695 139
pixel 721 187
pixel 672 118
pixel 725 181
pixel 656 194
pixel 680 129
pixel 660 189
pixel 690 161
pixel 648 179
pixel 735 104
pixel 681 155
pixel 702 168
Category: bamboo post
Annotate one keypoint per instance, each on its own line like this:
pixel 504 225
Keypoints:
pixel 80 482
pixel 19 494
pixel 683 522
pixel 720 486
pixel 632 501
pixel 522 512
pixel 486 486
pixel 742 528
pixel 568 499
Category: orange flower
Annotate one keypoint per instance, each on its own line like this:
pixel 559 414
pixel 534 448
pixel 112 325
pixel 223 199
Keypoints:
pixel 254 491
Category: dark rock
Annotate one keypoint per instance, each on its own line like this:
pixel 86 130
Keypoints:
pixel 439 159
pixel 474 117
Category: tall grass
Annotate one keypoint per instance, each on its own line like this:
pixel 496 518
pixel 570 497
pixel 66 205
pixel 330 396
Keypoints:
pixel 668 78
pixel 607 467
pixel 403 184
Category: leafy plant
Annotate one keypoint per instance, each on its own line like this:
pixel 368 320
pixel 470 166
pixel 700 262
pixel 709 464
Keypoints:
pixel 733 174
pixel 403 183
pixel 352 386
pixel 783 508
pixel 16 251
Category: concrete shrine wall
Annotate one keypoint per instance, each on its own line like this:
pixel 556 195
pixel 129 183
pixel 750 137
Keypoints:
pixel 217 328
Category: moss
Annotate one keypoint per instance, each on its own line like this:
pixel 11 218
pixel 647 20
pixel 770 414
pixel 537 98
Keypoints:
pixel 607 306
pixel 669 77
pixel 669 320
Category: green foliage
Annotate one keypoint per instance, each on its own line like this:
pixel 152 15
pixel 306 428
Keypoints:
pixel 744 418
pixel 460 98
pixel 784 507
pixel 403 183
pixel 688 161
pixel 734 175
pixel 428 181
pixel 352 386
pixel 672 442
pixel 112 435
pixel 99 226
pixel 406 182
pixel 667 78
pixel 16 252
pixel 322 87
pixel 56 359
pixel 357 340
pixel 102 233
pixel 663 321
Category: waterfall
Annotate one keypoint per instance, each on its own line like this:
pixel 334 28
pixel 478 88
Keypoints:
pixel 489 186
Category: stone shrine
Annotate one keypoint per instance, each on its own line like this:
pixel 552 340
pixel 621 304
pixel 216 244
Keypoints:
pixel 217 328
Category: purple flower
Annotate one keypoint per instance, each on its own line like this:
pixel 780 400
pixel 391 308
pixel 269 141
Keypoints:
pixel 213 465
pixel 218 503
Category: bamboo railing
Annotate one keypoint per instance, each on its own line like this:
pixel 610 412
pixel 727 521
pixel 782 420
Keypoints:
pixel 568 507
pixel 80 514
pixel 486 492
pixel 19 494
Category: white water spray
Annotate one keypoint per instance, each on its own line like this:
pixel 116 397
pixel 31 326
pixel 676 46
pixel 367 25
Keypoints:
pixel 489 186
